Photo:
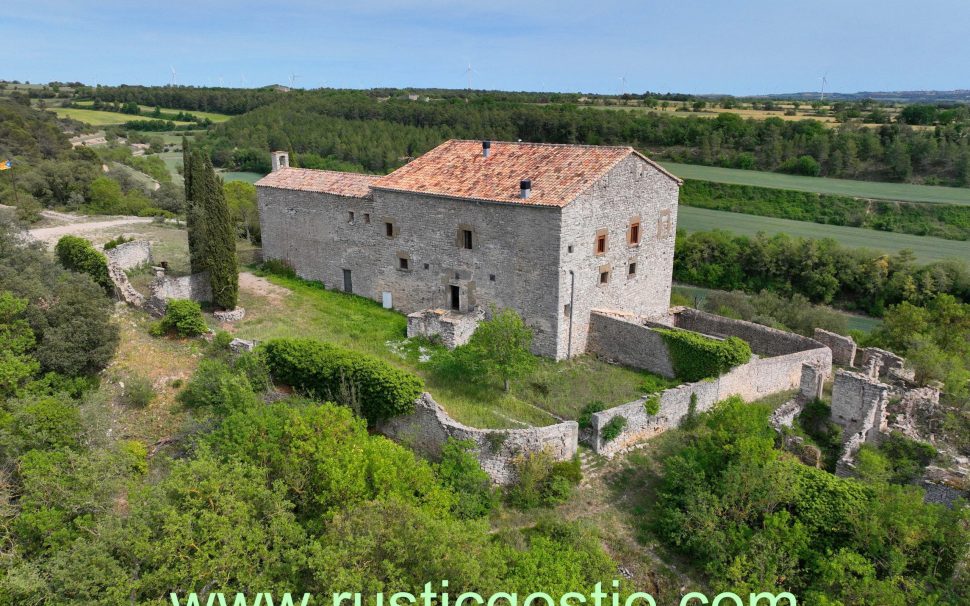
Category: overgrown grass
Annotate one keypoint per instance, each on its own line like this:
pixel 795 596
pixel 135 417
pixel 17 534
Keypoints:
pixel 553 391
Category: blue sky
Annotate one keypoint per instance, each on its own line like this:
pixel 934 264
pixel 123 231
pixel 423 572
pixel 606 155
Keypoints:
pixel 731 46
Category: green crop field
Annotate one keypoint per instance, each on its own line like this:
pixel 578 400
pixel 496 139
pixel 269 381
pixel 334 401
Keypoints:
pixel 147 109
pixel 925 248
pixel 240 176
pixel 98 118
pixel 905 192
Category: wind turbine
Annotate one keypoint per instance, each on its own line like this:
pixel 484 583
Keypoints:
pixel 468 73
pixel 825 81
pixel 174 76
pixel 293 78
pixel 622 80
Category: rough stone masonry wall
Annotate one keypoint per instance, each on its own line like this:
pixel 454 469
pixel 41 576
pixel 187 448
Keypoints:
pixel 451 328
pixel 131 254
pixel 628 341
pixel 632 191
pixel 163 289
pixel 859 405
pixel 428 428
pixel 843 348
pixel 757 379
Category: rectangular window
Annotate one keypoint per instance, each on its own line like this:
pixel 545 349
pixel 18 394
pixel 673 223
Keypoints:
pixel 601 244
pixel 604 277
pixel 466 239
pixel 635 233
pixel 366 217
pixel 402 262
pixel 350 217
pixel 566 309
pixel 569 248
pixel 389 229
pixel 633 269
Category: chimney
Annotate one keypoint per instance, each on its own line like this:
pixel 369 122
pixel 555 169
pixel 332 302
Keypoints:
pixel 486 147
pixel 525 188
pixel 280 159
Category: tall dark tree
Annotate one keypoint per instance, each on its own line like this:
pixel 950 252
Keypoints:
pixel 193 219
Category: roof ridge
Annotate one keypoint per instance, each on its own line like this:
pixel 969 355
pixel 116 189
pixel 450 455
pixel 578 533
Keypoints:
pixel 330 172
pixel 544 144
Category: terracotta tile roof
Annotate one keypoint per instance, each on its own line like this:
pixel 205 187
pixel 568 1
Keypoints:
pixel 353 185
pixel 458 169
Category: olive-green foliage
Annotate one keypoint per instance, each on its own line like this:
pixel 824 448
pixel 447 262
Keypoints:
pixel 922 219
pixel 68 313
pixel 499 347
pixel 116 242
pixel 754 519
pixel 907 458
pixel 460 471
pixel 215 388
pixel 541 481
pixel 77 254
pixel 184 318
pixel 613 428
pixel 17 342
pixel 821 270
pixel 816 421
pixel 652 404
pixel 696 356
pixel 139 391
pixel 212 239
pixel 585 419
pixel 372 387
pixel 795 313
pixel 326 460
pixel 43 422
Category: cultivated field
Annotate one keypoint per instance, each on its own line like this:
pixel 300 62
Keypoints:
pixel 925 248
pixel 904 192
pixel 99 118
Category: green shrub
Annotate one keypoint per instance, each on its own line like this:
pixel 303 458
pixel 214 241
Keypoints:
pixel 77 254
pixel 254 368
pixel 220 342
pixel 278 267
pixel 540 481
pixel 115 243
pixel 696 357
pixel 183 318
pixel 460 471
pixel 652 404
pixel 586 415
pixel 218 389
pixel 373 388
pixel 613 428
pixel 138 391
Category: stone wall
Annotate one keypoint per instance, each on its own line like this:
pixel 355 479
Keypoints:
pixel 164 288
pixel 783 370
pixel 843 348
pixel 628 341
pixel 881 363
pixel 450 327
pixel 123 288
pixel 859 405
pixel 428 428
pixel 131 254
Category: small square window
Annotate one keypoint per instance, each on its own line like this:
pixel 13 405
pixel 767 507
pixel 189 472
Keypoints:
pixel 491 277
pixel 604 277
pixel 632 269
pixel 389 230
pixel 566 309
pixel 569 248
pixel 350 217
pixel 466 239
pixel 427 266
pixel 366 217
pixel 403 262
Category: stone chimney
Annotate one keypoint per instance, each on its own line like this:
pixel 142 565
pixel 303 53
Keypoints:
pixel 281 159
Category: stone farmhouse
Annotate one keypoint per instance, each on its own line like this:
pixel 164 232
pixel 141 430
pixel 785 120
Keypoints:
pixel 552 231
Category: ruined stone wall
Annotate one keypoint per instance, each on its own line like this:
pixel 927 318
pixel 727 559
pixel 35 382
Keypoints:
pixel 163 289
pixel 764 340
pixel 628 341
pixel 131 254
pixel 451 328
pixel 428 428
pixel 843 348
pixel 859 405
pixel 632 191
pixel 882 363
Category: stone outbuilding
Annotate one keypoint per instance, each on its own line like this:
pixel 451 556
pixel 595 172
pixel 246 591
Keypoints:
pixel 551 231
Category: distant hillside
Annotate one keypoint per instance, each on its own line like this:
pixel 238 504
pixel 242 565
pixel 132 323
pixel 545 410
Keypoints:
pixel 908 96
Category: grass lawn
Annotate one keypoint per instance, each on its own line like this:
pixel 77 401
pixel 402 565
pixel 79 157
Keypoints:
pixel 98 118
pixel 905 192
pixel 926 249
pixel 553 391
pixel 228 176
pixel 148 109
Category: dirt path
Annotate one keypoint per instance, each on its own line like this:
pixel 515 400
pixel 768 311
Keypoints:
pixel 50 234
pixel 262 287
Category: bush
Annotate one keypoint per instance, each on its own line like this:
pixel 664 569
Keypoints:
pixel 138 391
pixel 77 254
pixel 216 388
pixel 111 244
pixel 460 471
pixel 652 404
pixel 278 267
pixel 373 388
pixel 540 481
pixel 696 357
pixel 254 368
pixel 585 419
pixel 183 318
pixel 613 428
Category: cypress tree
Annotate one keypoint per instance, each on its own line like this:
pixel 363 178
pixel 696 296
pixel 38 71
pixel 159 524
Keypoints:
pixel 219 236
pixel 193 215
